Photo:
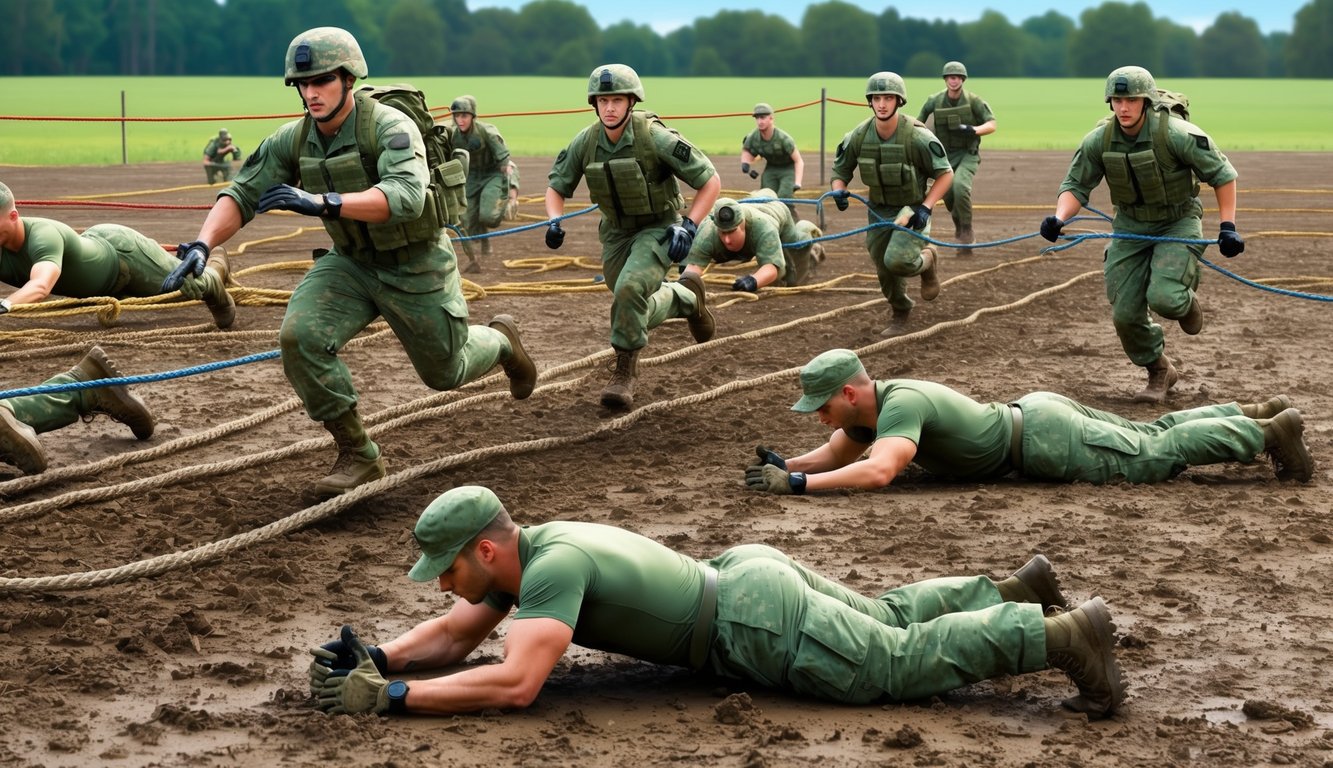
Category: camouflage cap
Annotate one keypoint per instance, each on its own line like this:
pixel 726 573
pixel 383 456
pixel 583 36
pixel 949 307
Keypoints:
pixel 727 214
pixel 823 377
pixel 762 109
pixel 448 524
pixel 223 133
pixel 322 50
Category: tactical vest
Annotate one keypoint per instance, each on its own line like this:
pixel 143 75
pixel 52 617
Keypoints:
pixel 947 120
pixel 478 142
pixel 755 145
pixel 1151 184
pixel 627 188
pixel 889 168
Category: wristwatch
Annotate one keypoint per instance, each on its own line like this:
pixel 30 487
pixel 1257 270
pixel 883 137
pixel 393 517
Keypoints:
pixel 5 306
pixel 397 697
pixel 333 206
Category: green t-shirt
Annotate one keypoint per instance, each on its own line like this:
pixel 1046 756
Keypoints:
pixel 776 151
pixel 767 227
pixel 88 266
pixel 619 591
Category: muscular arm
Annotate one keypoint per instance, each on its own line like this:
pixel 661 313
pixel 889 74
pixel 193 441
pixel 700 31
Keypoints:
pixel 765 275
pixel 834 464
pixel 555 204
pixel 1226 201
pixel 41 281
pixel 1067 206
pixel 800 166
pixel 704 198
pixel 370 206
pixel 986 128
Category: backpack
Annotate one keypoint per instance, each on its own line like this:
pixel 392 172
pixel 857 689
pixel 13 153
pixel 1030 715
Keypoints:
pixel 1169 104
pixel 1174 102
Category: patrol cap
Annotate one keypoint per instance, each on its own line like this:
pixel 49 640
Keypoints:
pixel 448 523
pixel 224 133
pixel 824 376
pixel 761 109
pixel 727 214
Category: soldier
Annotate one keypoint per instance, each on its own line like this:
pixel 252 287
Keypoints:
pixel 218 156
pixel 23 418
pixel 895 156
pixel 1150 160
pixel 492 185
pixel 44 256
pixel 961 119
pixel 756 232
pixel 391 256
pixel 751 613
pixel 631 161
pixel 783 167
pixel 1041 436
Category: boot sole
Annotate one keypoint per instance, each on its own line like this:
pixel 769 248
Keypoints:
pixel 1099 618
pixel 1039 576
pixel 144 426
pixel 930 280
pixel 520 369
pixel 19 444
pixel 1296 462
pixel 329 490
pixel 702 325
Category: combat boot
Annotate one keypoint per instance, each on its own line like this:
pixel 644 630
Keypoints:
pixel 19 444
pixel 899 322
pixel 353 466
pixel 474 260
pixel 963 235
pixel 701 323
pixel 1035 582
pixel 1081 643
pixel 619 391
pixel 930 282
pixel 1268 408
pixel 1192 321
pixel 220 303
pixel 520 369
pixel 1284 442
pixel 1162 376
pixel 118 401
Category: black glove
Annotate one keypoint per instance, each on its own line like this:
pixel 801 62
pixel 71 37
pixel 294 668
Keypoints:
pixel 1051 226
pixel 336 656
pixel 285 197
pixel 769 456
pixel 920 217
pixel 745 283
pixel 970 130
pixel 193 257
pixel 840 197
pixel 680 237
pixel 555 236
pixel 745 168
pixel 795 188
pixel 1230 243
pixel 359 689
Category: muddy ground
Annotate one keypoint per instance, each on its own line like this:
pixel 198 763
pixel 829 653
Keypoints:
pixel 1218 580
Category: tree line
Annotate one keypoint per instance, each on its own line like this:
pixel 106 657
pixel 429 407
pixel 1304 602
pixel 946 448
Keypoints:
pixel 560 38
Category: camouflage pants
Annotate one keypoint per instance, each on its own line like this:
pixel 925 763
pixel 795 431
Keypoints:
pixel 634 264
pixel 1064 440
pixel 785 626
pixel 143 263
pixel 52 410
pixel 1142 276
pixel 339 297
pixel 896 255
pixel 214 170
pixel 959 197
pixel 486 198
pixel 798 261
pixel 782 180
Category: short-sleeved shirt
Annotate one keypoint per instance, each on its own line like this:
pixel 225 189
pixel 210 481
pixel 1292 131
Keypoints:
pixel 685 161
pixel 955 435
pixel 487 152
pixel 925 143
pixel 767 227
pixel 619 591
pixel 776 151
pixel 88 266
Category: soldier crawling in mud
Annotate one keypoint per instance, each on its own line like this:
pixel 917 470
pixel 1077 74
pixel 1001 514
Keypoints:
pixel 758 232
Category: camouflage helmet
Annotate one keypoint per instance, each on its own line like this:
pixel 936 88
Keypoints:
pixel 727 215
pixel 954 68
pixel 322 50
pixel 762 109
pixel 1131 82
pixel 612 79
pixel 887 82
pixel 464 105
pixel 223 133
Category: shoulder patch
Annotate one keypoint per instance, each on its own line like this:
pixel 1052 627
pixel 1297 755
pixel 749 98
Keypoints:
pixel 681 151
pixel 1201 141
pixel 560 158
pixel 936 149
pixel 400 141
pixel 251 161
pixel 842 145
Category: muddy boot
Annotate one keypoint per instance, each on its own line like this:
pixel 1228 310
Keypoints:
pixel 701 323
pixel 118 402
pixel 619 391
pixel 517 365
pixel 899 322
pixel 1082 644
pixel 1284 442
pixel 1035 582
pixel 930 282
pixel 474 259
pixel 1162 376
pixel 1268 408
pixel 1192 321
pixel 963 234
pixel 19 444
pixel 359 459
pixel 220 303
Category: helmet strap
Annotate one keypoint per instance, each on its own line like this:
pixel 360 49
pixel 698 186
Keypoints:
pixel 347 88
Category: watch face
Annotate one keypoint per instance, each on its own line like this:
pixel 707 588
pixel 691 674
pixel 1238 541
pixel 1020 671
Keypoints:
pixel 397 689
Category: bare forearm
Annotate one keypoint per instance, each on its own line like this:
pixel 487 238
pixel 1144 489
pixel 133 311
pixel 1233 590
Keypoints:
pixel 1226 201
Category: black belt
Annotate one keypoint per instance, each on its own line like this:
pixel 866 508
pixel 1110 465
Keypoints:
pixel 1016 438
pixel 703 623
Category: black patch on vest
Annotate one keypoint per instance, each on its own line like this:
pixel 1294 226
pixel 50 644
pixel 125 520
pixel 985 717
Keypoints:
pixel 400 141
pixel 936 149
pixel 1202 141
pixel 682 152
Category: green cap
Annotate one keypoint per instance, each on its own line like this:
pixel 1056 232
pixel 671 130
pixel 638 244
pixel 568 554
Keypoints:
pixel 448 523
pixel 762 109
pixel 727 214
pixel 824 376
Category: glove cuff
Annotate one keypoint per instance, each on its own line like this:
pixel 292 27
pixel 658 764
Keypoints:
pixel 378 656
pixel 797 481
pixel 1228 226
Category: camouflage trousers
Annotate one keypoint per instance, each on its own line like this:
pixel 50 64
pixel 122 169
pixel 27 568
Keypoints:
pixel 782 180
pixel 634 263
pixel 486 198
pixel 787 627
pixel 1064 440
pixel 1142 276
pixel 340 296
pixel 143 263
pixel 214 170
pixel 52 410
pixel 896 255
pixel 959 197
pixel 798 261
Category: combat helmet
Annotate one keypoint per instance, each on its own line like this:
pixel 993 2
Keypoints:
pixel 464 105
pixel 223 133
pixel 954 68
pixel 1131 82
pixel 612 79
pixel 727 214
pixel 322 50
pixel 887 82
pixel 761 109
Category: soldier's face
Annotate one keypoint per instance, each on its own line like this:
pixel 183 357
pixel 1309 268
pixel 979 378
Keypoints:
pixel 734 240
pixel 838 412
pixel 612 109
pixel 763 122
pixel 464 121
pixel 1128 111
pixel 321 93
pixel 953 82
pixel 884 105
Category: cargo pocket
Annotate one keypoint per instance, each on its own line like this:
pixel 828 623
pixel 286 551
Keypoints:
pixel 1102 435
pixel 833 646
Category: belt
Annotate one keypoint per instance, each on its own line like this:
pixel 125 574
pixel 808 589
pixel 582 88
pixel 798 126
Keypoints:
pixel 1016 439
pixel 703 623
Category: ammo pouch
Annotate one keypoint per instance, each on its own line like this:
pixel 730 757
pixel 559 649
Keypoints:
pixel 892 180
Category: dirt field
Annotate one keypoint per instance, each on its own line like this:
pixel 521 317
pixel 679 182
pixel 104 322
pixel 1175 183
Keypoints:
pixel 1219 581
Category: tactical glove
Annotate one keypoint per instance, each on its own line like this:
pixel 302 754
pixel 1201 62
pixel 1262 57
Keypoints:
pixel 360 689
pixel 769 456
pixel 1051 226
pixel 335 655
pixel 1230 243
pixel 680 237
pixel 795 188
pixel 970 130
pixel 285 197
pixel 920 217
pixel 767 477
pixel 840 197
pixel 193 256
pixel 745 283
pixel 555 236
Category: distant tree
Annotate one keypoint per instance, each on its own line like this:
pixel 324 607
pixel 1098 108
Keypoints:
pixel 1310 48
pixel 893 42
pixel 483 51
pixel 546 26
pixel 416 30
pixel 636 45
pixel 923 64
pixel 82 31
pixel 901 39
pixel 839 39
pixel 750 42
pixel 1114 35
pixel 1232 47
pixel 258 32
pixel 1047 44
pixel 992 46
pixel 1275 45
pixel 1180 49
pixel 707 62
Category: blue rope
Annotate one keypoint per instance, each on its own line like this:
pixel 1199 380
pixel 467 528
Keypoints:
pixel 516 230
pixel 145 378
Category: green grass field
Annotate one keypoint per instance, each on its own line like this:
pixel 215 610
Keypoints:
pixel 1031 114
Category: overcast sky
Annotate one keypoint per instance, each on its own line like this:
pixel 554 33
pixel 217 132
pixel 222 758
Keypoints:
pixel 1272 16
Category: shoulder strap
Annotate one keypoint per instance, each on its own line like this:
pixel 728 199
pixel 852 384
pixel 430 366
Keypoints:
pixel 367 144
pixel 644 149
